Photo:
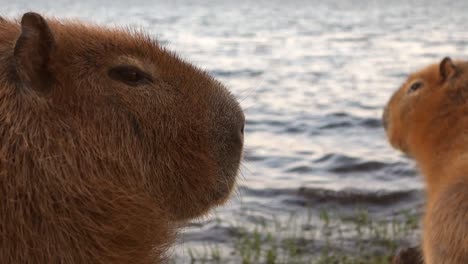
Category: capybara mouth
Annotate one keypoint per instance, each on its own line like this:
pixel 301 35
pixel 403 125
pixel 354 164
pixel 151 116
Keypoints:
pixel 229 173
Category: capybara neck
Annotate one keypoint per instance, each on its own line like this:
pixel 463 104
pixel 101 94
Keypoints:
pixel 109 143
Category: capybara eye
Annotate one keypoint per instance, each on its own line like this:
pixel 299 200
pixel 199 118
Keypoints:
pixel 130 75
pixel 415 86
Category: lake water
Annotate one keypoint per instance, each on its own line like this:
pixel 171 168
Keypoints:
pixel 312 77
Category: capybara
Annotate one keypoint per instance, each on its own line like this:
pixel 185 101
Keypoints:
pixel 427 118
pixel 109 143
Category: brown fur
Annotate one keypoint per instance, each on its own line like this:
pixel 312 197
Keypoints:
pixel 430 124
pixel 93 170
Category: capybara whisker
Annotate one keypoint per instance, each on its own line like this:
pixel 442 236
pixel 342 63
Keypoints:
pixel 252 90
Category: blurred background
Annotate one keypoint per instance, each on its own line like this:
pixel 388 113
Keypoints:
pixel 319 183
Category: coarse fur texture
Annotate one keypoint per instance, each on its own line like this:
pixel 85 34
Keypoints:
pixel 427 118
pixel 109 143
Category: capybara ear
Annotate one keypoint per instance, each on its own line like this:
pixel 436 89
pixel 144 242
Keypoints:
pixel 32 52
pixel 447 69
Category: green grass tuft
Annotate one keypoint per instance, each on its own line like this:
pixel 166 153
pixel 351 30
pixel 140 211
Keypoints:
pixel 328 238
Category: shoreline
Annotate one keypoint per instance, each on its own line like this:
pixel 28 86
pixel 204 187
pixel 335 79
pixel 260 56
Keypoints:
pixel 318 237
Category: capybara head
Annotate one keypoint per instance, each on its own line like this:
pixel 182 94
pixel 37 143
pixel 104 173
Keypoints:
pixel 425 111
pixel 102 131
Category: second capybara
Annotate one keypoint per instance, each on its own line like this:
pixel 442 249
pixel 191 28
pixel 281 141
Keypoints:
pixel 109 143
pixel 427 119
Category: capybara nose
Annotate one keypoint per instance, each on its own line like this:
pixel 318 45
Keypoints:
pixel 236 124
pixel 226 137
pixel 240 131
pixel 385 118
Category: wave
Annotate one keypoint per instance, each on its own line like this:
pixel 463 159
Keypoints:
pixel 310 196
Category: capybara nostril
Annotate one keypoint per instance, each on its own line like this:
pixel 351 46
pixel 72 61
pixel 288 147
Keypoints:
pixel 240 132
pixel 240 127
pixel 243 124
pixel 235 136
